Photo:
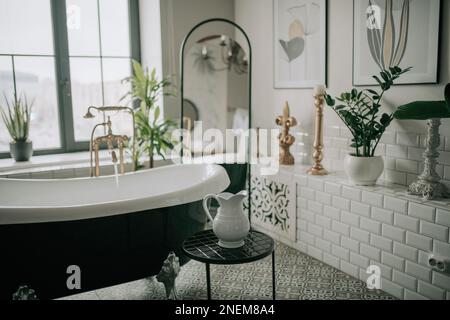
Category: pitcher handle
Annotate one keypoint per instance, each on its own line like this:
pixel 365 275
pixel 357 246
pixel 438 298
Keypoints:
pixel 205 205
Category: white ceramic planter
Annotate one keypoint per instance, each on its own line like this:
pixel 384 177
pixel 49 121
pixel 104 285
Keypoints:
pixel 363 171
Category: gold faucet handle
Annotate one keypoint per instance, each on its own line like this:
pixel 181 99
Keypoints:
pixel 109 124
pixel 114 157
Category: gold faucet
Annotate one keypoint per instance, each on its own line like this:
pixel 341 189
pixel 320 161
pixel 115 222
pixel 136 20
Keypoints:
pixel 109 138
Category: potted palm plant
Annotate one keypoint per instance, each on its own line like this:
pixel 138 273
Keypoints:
pixel 153 133
pixel 360 111
pixel 16 118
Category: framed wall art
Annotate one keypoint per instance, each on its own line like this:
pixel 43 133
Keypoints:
pixel 299 43
pixel 402 33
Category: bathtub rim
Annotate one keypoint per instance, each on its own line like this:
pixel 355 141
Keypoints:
pixel 40 214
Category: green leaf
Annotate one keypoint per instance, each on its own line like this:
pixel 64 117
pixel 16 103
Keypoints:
pixel 138 72
pixel 360 112
pixel 156 115
pixel 329 100
pixel 17 116
pixel 359 95
pixel 378 80
pixel 385 119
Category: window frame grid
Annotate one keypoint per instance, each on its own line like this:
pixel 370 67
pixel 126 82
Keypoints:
pixel 62 69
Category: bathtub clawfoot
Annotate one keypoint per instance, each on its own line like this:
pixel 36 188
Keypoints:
pixel 24 293
pixel 168 275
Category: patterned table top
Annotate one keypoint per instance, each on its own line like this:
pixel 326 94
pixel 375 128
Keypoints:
pixel 204 247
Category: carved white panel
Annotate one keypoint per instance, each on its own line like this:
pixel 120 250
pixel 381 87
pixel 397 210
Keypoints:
pixel 273 205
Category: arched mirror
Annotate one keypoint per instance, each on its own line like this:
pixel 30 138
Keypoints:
pixel 216 94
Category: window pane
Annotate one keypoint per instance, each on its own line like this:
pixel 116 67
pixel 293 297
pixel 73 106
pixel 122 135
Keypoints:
pixel 86 85
pixel 26 27
pixel 114 71
pixel 6 89
pixel 82 27
pixel 35 78
pixel 6 78
pixel 114 26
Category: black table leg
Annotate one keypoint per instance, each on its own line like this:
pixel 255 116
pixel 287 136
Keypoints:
pixel 273 275
pixel 208 281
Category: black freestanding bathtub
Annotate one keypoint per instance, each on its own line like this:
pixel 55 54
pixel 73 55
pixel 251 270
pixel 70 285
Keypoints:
pixel 114 235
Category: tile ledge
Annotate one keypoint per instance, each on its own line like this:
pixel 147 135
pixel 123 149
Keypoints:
pixel 382 187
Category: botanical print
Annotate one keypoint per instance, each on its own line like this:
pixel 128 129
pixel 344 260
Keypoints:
pixel 390 33
pixel 386 50
pixel 300 43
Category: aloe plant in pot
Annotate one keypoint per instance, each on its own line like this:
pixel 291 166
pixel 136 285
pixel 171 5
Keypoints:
pixel 360 110
pixel 16 118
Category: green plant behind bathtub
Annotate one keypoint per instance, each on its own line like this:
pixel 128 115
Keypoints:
pixel 360 111
pixel 16 118
pixel 153 133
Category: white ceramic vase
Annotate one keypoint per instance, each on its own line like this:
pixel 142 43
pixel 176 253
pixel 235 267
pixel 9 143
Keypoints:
pixel 363 171
pixel 230 225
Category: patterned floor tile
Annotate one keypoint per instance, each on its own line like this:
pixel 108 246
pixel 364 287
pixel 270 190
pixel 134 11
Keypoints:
pixel 299 277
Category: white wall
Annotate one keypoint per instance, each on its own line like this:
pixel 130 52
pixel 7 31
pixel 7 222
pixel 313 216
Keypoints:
pixel 256 17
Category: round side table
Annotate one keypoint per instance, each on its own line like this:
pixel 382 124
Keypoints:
pixel 204 247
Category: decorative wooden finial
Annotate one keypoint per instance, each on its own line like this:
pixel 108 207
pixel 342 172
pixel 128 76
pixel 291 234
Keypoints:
pixel 286 140
pixel 319 99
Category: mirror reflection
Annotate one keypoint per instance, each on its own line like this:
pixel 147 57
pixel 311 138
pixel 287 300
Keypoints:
pixel 216 77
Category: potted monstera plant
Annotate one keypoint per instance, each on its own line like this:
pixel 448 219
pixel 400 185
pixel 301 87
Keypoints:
pixel 360 110
pixel 16 117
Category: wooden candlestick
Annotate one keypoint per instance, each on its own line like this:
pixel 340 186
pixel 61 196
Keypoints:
pixel 286 140
pixel 318 169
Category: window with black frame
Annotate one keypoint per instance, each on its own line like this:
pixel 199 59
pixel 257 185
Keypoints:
pixel 65 56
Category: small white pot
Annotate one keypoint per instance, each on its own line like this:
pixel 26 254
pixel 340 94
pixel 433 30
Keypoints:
pixel 363 171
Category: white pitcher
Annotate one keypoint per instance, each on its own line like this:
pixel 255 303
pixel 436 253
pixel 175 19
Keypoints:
pixel 230 225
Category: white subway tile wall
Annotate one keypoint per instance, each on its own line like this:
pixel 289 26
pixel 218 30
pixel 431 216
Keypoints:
pixel 404 280
pixel 443 217
pixel 441 280
pixel 431 291
pixel 402 152
pixel 418 271
pixel 352 227
pixel 395 204
pixel 394 289
pixel 410 295
pixel 393 261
